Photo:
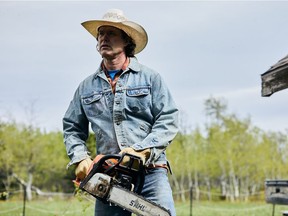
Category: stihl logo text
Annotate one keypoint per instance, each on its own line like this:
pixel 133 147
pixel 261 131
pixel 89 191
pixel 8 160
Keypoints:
pixel 137 205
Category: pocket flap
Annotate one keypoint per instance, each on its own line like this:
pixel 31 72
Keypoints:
pixel 134 92
pixel 91 99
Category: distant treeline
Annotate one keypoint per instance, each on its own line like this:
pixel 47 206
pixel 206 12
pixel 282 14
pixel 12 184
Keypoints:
pixel 229 157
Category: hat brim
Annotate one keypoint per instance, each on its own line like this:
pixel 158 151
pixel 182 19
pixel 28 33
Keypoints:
pixel 133 30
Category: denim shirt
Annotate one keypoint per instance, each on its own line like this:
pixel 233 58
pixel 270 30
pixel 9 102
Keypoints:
pixel 141 114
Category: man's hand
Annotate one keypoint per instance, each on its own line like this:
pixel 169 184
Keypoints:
pixel 143 154
pixel 82 169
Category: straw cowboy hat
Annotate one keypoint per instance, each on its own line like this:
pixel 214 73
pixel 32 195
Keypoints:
pixel 116 18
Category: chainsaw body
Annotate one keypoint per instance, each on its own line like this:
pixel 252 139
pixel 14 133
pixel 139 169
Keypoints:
pixel 112 181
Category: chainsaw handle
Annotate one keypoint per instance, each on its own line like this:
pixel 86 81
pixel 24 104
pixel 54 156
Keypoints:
pixel 97 166
pixel 138 174
pixel 102 160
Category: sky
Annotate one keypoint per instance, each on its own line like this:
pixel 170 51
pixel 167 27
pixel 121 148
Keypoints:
pixel 202 49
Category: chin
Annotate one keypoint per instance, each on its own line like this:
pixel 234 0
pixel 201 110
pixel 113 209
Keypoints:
pixel 106 55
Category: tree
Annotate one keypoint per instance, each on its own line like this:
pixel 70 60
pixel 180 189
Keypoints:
pixel 28 155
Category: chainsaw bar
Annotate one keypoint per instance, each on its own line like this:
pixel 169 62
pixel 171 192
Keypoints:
pixel 101 186
pixel 135 203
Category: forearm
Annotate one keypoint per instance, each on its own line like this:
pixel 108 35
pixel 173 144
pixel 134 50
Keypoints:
pixel 163 132
pixel 165 126
pixel 75 132
pixel 76 150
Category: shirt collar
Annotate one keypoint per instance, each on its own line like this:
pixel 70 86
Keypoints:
pixel 133 64
pixel 124 66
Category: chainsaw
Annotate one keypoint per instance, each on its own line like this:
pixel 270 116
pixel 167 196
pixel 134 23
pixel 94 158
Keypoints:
pixel 111 181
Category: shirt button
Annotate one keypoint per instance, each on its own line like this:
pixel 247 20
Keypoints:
pixel 122 144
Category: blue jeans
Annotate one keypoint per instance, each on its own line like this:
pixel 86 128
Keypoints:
pixel 156 188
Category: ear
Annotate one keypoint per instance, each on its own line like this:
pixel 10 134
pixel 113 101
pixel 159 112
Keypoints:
pixel 97 47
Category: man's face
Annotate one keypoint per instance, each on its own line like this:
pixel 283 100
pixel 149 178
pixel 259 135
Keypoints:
pixel 110 41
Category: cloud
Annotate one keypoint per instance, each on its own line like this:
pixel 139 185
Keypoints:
pixel 201 48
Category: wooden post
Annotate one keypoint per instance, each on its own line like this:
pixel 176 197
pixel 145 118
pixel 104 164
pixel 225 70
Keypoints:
pixel 24 200
pixel 191 197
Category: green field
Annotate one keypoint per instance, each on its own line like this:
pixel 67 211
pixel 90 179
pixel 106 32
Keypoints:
pixel 84 207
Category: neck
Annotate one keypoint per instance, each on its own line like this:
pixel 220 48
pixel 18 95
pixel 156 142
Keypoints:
pixel 115 63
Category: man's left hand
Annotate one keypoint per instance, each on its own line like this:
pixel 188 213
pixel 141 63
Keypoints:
pixel 143 154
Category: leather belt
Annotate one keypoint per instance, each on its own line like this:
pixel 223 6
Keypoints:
pixel 151 166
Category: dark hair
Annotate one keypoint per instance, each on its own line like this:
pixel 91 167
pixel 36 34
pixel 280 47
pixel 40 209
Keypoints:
pixel 130 48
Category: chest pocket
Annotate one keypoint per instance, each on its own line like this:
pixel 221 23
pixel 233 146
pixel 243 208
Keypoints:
pixel 93 104
pixel 138 98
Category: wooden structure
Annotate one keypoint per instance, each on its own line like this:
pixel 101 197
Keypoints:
pixel 276 78
pixel 273 80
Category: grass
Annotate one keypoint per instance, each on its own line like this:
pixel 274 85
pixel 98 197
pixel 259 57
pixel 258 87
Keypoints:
pixel 230 209
pixel 85 207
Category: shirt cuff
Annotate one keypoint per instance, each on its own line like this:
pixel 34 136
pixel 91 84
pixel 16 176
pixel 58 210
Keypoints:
pixel 77 159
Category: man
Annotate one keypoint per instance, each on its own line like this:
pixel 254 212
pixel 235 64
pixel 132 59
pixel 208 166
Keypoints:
pixel 128 106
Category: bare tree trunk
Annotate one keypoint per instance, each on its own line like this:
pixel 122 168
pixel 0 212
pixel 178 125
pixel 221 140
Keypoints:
pixel 230 193
pixel 246 194
pixel 223 188
pixel 236 187
pixel 231 189
pixel 253 189
pixel 29 186
pixel 182 193
pixel 207 181
pixel 26 185
pixel 175 182
pixel 245 188
pixel 234 183
pixel 224 183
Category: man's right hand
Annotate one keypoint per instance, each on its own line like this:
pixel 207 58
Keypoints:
pixel 82 169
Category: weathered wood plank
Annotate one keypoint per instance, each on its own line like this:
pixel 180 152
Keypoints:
pixel 276 78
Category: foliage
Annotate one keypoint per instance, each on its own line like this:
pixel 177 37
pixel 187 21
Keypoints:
pixel 229 159
pixel 30 153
